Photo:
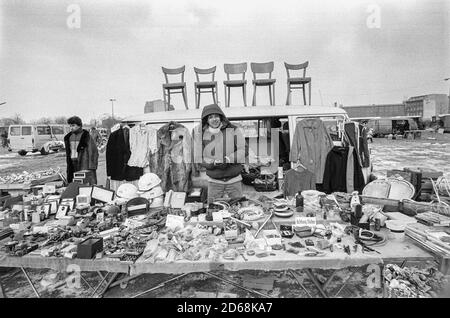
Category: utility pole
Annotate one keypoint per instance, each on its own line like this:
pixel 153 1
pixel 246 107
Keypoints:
pixel 446 79
pixel 112 106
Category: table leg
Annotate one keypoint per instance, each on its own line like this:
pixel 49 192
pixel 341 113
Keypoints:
pixel 345 283
pixel 160 285
pixel 30 282
pixel 98 286
pixel 298 281
pixel 87 283
pixel 105 289
pixel 2 293
pixel 316 282
pixel 236 285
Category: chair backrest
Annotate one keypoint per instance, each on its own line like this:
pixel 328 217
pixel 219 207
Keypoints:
pixel 204 71
pixel 296 67
pixel 259 68
pixel 173 71
pixel 238 68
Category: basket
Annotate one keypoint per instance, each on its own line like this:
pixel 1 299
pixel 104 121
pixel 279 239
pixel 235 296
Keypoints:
pixel 249 177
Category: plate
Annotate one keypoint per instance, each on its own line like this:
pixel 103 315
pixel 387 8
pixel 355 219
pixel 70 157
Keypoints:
pixel 284 214
pixel 281 209
pixel 401 189
pixel 252 213
pixel 377 189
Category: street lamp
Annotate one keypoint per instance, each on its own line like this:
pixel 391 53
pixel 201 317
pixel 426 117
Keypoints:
pixel 112 100
pixel 446 79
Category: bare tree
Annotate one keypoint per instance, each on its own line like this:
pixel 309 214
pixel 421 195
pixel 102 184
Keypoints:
pixel 17 119
pixel 60 120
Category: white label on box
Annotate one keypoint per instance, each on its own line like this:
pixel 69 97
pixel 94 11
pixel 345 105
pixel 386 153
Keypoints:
pixel 174 221
pixel 305 221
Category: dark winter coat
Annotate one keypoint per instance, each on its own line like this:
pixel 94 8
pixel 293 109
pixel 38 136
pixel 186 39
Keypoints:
pixel 87 154
pixel 237 152
pixel 117 155
pixel 335 177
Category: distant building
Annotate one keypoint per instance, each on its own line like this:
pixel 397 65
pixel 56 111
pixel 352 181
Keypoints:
pixel 385 110
pixel 428 107
pixel 156 106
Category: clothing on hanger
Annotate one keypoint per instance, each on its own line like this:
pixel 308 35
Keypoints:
pixel 298 180
pixel 310 145
pixel 142 144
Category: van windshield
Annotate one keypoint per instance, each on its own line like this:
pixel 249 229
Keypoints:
pixel 58 130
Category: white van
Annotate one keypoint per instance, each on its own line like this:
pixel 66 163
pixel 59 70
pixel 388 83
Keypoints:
pixel 32 138
pixel 255 121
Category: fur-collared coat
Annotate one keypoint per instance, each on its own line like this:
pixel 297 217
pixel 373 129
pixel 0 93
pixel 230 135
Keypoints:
pixel 87 154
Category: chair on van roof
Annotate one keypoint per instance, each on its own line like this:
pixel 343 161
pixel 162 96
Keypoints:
pixel 297 82
pixel 234 69
pixel 263 68
pixel 205 86
pixel 174 88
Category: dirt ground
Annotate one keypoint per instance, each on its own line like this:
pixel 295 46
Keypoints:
pixel 386 154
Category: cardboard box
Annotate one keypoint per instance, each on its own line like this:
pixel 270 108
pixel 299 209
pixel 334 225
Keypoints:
pixel 89 248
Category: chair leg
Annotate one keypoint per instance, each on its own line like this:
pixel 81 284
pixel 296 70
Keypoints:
pixel 168 99
pixel 199 95
pixel 273 95
pixel 216 90
pixel 165 100
pixel 196 97
pixel 270 95
pixel 304 94
pixel 309 93
pixel 229 96
pixel 185 98
pixel 225 94
pixel 254 95
pixel 245 95
pixel 288 95
pixel 213 91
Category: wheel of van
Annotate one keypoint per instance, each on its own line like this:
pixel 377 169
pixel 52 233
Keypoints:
pixel 43 152
pixel 22 152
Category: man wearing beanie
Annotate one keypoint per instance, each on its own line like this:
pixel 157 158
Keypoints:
pixel 223 152
pixel 81 150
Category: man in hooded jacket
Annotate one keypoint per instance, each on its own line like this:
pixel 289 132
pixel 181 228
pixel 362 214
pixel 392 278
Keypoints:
pixel 224 151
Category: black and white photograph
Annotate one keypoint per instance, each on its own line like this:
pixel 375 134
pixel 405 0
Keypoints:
pixel 225 155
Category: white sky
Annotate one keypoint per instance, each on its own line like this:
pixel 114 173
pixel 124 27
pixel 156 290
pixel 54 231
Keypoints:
pixel 47 69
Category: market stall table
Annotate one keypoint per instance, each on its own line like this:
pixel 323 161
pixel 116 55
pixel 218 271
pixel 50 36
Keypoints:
pixel 61 264
pixel 393 251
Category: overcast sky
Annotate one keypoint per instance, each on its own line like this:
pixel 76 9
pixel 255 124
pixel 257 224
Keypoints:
pixel 49 69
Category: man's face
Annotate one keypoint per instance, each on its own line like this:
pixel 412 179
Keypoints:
pixel 214 120
pixel 74 127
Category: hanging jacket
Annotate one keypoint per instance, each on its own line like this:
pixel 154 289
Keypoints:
pixel 311 145
pixel 356 136
pixel 228 142
pixel 87 154
pixel 173 159
pixel 117 155
pixel 338 171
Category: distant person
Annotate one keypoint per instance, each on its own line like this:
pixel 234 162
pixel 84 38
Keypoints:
pixel 81 150
pixel 96 136
pixel 4 136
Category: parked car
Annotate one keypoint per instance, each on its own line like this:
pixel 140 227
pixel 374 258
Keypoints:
pixel 32 138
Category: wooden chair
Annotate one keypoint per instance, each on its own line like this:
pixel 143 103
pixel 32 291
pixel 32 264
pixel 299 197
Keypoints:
pixel 297 82
pixel 205 87
pixel 263 68
pixel 174 88
pixel 233 69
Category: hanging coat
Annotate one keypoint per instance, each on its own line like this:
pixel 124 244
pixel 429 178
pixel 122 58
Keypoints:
pixel 311 145
pixel 117 155
pixel 173 158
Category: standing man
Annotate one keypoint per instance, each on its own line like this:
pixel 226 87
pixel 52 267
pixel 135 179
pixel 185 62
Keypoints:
pixel 81 150
pixel 96 136
pixel 224 151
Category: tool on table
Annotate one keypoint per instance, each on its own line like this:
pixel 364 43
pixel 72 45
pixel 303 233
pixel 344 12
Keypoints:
pixel 264 224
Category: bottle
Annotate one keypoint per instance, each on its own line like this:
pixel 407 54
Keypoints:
pixel 280 179
pixel 299 202
pixel 354 201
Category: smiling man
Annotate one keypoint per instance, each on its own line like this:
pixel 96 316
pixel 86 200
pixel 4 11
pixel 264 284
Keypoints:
pixel 224 152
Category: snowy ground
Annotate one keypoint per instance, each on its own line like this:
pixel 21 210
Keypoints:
pixel 386 154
